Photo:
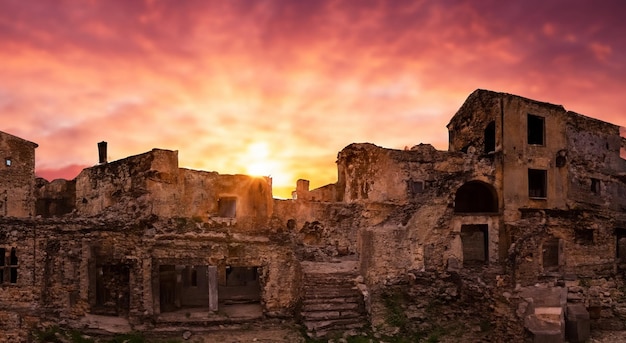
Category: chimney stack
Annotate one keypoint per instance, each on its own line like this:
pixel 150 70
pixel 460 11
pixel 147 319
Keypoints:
pixel 102 152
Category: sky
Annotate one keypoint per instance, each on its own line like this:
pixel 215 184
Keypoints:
pixel 278 87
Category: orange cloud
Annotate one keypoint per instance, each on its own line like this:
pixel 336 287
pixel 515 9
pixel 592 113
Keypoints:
pixel 211 78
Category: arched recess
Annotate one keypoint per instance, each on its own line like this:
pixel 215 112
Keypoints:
pixel 476 196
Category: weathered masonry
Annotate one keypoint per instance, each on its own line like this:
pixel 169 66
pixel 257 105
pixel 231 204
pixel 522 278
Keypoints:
pixel 528 202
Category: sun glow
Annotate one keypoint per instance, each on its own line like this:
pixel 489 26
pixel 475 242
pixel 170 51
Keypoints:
pixel 261 160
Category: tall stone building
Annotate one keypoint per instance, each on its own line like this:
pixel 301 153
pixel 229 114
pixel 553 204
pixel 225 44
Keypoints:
pixel 527 194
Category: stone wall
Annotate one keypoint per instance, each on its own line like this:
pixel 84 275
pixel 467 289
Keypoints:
pixel 17 176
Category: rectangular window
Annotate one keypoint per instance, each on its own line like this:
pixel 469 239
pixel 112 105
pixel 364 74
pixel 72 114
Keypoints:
pixel 536 130
pixel 537 183
pixel 8 162
pixel 595 186
pixel 227 207
pixel 8 266
pixel 620 247
pixel 415 187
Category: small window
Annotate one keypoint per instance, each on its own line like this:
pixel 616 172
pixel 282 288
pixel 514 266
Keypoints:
pixel 583 236
pixel 490 137
pixel 620 246
pixel 537 183
pixel 227 207
pixel 8 266
pixel 536 130
pixel 415 187
pixel 595 186
pixel 8 162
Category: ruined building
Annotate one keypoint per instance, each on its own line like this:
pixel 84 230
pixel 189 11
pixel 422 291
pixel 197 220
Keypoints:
pixel 520 223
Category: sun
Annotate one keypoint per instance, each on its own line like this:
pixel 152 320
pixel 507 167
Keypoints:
pixel 257 160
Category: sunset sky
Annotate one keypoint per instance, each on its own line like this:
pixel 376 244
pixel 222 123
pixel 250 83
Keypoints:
pixel 279 87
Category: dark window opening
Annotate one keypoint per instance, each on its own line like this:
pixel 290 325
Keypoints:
pixel 583 236
pixel 227 207
pixel 537 183
pixel 551 254
pixel 490 137
pixel 475 241
pixel 8 266
pixel 595 186
pixel 620 246
pixel 415 187
pixel 475 196
pixel 536 130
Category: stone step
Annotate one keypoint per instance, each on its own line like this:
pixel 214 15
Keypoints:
pixel 333 324
pixel 329 315
pixel 334 306
pixel 322 300
pixel 330 292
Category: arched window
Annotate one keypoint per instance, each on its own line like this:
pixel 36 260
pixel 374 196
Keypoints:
pixel 475 196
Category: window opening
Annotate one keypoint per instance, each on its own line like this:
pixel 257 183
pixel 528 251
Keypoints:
pixel 537 183
pixel 536 128
pixel 8 162
pixel 13 266
pixel 490 137
pixel 474 239
pixel 595 186
pixel 551 254
pixel 620 246
pixel 227 207
pixel 583 236
pixel 184 286
pixel 415 187
pixel 2 264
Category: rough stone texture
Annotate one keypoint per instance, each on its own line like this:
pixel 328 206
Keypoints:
pixel 528 196
pixel 17 176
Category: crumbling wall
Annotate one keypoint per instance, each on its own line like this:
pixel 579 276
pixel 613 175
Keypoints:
pixel 55 198
pixel 201 193
pixel 594 164
pixel 17 176
pixel 139 185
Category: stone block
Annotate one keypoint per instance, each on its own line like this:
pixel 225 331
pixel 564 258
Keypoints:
pixel 577 323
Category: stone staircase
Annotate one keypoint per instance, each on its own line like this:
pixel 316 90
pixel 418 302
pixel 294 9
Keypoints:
pixel 331 303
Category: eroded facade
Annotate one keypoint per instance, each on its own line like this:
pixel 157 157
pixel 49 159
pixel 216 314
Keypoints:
pixel 527 193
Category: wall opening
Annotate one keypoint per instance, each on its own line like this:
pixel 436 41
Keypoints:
pixel 415 187
pixel 490 137
pixel 184 287
pixel 8 266
pixel 239 285
pixel 537 183
pixel 596 186
pixel 620 246
pixel 112 289
pixel 8 162
pixel 536 130
pixel 551 254
pixel 227 207
pixel 475 241
pixel 476 196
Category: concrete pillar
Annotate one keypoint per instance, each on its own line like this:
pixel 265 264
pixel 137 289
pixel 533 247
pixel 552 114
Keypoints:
pixel 212 277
